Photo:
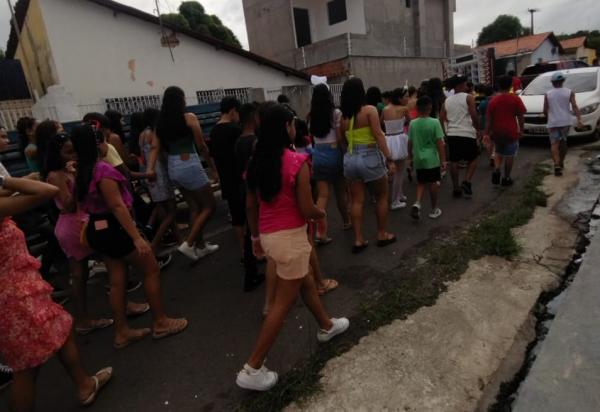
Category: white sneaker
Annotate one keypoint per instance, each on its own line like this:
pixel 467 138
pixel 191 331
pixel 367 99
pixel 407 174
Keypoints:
pixel 208 249
pixel 435 213
pixel 403 199
pixel 189 251
pixel 256 379
pixel 398 204
pixel 415 211
pixel 339 326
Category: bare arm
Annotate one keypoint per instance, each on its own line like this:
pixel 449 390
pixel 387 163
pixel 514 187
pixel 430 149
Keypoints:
pixel 546 107
pixel 115 140
pixel 521 121
pixel 575 107
pixel 342 131
pixel 31 194
pixel 194 124
pixel 441 147
pixel 64 196
pixel 153 155
pixel 444 118
pixel 374 123
pixel 304 195
pixel 473 111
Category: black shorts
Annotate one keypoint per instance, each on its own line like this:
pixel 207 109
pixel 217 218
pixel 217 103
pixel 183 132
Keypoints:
pixel 237 207
pixel 106 236
pixel 462 148
pixel 429 175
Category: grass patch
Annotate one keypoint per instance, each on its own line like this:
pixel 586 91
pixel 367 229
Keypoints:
pixel 416 283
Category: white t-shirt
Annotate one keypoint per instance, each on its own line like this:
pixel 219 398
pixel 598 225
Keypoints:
pixel 559 107
pixel 460 123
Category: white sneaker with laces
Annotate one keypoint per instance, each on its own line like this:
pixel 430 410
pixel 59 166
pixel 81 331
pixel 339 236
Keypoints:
pixel 208 249
pixel 339 326
pixel 398 204
pixel 189 251
pixel 435 213
pixel 256 379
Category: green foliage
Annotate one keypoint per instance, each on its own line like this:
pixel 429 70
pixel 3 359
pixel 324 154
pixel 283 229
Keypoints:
pixel 192 16
pixel 593 37
pixel 505 27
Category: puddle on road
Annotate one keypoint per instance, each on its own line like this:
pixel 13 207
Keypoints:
pixel 582 198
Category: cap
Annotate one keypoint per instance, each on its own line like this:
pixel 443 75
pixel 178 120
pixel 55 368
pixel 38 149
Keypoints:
pixel 558 77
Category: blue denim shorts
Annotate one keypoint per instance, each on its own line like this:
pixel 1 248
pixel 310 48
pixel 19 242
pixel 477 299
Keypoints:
pixel 365 164
pixel 507 149
pixel 187 174
pixel 557 134
pixel 327 163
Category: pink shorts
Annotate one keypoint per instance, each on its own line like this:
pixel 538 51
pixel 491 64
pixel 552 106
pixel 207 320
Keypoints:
pixel 68 233
pixel 290 250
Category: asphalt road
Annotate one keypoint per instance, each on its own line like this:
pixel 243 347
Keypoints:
pixel 196 370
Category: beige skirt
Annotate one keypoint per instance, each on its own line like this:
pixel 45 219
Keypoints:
pixel 290 250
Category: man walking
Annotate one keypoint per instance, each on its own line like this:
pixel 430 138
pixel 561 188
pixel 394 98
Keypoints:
pixel 504 125
pixel 459 116
pixel 558 103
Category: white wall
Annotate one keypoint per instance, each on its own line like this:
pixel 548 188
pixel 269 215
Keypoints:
pixel 100 55
pixel 544 52
pixel 319 18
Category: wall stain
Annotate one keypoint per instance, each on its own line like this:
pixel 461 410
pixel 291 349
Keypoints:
pixel 131 65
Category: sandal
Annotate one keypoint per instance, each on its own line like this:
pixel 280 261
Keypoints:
pixel 132 339
pixel 175 326
pixel 323 241
pixel 347 226
pixel 143 308
pixel 96 325
pixel 388 241
pixel 100 379
pixel 356 249
pixel 328 286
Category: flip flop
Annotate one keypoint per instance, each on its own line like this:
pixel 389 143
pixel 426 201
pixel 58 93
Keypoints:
pixel 145 308
pixel 99 383
pixel 143 333
pixel 99 324
pixel 356 249
pixel 175 326
pixel 386 242
pixel 323 241
pixel 329 285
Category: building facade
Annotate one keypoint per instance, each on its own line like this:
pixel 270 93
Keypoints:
pixel 577 48
pixel 387 42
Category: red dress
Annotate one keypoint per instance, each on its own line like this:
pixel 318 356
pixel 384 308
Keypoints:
pixel 32 326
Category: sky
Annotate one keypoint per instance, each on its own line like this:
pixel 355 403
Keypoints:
pixel 560 16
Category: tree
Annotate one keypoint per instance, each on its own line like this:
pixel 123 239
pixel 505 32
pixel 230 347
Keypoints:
pixel 593 37
pixel 505 27
pixel 192 16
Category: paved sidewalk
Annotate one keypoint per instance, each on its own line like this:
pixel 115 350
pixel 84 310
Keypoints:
pixel 566 373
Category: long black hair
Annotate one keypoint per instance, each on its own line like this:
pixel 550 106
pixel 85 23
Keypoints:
pixel 435 90
pixel 374 96
pixel 397 96
pixel 264 169
pixel 24 124
pixel 171 122
pixel 321 111
pixel 85 140
pixel 43 134
pixel 353 97
pixel 53 160
pixel 114 117
pixel 137 127
pixel 150 118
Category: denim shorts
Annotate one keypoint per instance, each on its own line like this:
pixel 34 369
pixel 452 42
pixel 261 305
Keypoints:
pixel 558 134
pixel 187 174
pixel 327 162
pixel 505 149
pixel 365 164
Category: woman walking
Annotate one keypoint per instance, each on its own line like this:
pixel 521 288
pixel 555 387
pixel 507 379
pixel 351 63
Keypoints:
pixel 32 327
pixel 180 136
pixel 365 161
pixel 396 117
pixel 111 231
pixel 279 204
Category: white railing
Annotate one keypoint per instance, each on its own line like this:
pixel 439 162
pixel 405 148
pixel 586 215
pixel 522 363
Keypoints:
pixel 12 110
pixel 215 96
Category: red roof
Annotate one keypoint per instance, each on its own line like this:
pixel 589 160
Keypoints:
pixel 574 43
pixel 520 45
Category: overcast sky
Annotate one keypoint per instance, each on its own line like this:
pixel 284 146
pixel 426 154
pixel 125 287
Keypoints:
pixel 560 16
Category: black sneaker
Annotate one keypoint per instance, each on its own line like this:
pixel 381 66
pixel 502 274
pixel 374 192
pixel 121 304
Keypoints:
pixel 254 283
pixel 415 211
pixel 467 189
pixel 496 177
pixel 558 171
pixel 6 376
pixel 164 260
pixel 507 181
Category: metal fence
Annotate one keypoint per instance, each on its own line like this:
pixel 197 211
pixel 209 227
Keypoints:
pixel 216 95
pixel 129 105
pixel 12 110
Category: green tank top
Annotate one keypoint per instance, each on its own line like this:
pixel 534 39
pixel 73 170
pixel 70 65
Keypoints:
pixel 362 136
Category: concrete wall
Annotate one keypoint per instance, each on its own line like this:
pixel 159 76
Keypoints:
pixel 391 72
pixel 35 53
pixel 545 52
pixel 116 55
pixel 319 18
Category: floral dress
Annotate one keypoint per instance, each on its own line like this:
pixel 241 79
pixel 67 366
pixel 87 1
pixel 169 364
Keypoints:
pixel 32 326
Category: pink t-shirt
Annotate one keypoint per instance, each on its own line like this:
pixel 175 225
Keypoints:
pixel 94 203
pixel 283 212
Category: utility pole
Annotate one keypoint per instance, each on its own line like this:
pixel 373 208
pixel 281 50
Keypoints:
pixel 532 12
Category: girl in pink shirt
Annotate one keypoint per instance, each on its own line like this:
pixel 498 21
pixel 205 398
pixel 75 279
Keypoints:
pixel 279 204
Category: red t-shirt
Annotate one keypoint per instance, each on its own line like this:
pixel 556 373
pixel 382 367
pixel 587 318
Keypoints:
pixel 502 113
pixel 516 84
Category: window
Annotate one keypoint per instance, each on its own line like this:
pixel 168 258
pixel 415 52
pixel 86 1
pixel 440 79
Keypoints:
pixel 578 82
pixel 408 4
pixel 302 22
pixel 337 11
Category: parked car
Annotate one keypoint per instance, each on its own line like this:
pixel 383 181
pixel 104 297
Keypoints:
pixel 533 71
pixel 584 82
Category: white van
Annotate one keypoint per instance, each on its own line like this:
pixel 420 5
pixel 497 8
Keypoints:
pixel 585 82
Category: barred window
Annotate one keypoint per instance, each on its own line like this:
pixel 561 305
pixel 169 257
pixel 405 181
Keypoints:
pixel 129 105
pixel 215 96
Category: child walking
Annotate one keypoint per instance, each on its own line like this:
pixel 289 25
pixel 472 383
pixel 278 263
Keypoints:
pixel 427 153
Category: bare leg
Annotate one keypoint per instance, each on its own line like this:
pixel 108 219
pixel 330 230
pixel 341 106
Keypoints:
pixel 398 181
pixel 341 196
pixel 240 234
pixel 311 299
pixel 167 211
pixel 382 208
pixel 356 212
pixel 562 152
pixel 271 286
pixel 471 168
pixel 420 191
pixel 433 194
pixel 498 161
pixel 22 391
pixel 508 165
pixel 69 357
pixel 79 277
pixel 555 149
pixel 323 197
pixel 316 267
pixel 205 203
pixel 454 174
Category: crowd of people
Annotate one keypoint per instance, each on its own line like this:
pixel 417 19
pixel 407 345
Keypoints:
pixel 275 171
